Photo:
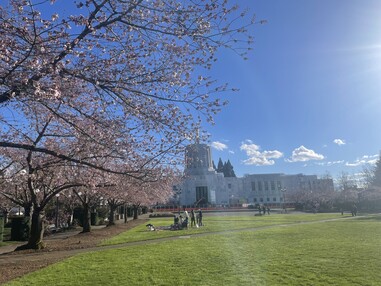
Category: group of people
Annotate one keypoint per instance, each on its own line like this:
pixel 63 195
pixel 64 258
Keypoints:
pixel 263 209
pixel 196 218
pixel 181 222
pixel 353 210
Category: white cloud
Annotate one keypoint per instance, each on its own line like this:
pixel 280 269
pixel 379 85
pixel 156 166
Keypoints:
pixel 366 159
pixel 339 142
pixel 258 158
pixel 219 146
pixel 335 162
pixel 330 163
pixel 302 154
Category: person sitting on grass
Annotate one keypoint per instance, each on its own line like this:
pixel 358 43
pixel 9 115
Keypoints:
pixel 184 224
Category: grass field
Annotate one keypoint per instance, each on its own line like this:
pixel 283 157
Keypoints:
pixel 289 252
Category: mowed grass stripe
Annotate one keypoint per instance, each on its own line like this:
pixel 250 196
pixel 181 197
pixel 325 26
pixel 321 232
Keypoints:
pixel 217 223
pixel 345 252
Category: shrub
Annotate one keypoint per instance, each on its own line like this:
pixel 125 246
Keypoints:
pixel 157 215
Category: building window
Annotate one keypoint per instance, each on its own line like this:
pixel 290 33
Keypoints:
pixel 259 186
pixel 202 195
pixel 274 199
pixel 229 186
pixel 279 185
pixel 266 186
pixel 255 200
pixel 268 199
pixel 253 186
pixel 273 185
pixel 261 199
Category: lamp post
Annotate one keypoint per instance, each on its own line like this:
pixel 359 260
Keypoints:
pixel 178 193
pixel 57 209
pixel 284 199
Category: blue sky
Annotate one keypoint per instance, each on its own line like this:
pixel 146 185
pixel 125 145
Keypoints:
pixel 309 98
pixel 310 93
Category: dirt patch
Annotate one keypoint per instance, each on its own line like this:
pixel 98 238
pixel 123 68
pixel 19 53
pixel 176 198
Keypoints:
pixel 58 247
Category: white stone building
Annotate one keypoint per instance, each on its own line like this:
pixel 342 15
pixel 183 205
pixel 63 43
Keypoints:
pixel 204 186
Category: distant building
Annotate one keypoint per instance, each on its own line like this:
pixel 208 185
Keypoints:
pixel 203 185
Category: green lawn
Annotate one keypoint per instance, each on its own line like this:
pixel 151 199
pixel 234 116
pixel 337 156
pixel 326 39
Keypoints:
pixel 344 252
pixel 215 224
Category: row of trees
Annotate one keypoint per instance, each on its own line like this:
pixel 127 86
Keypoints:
pixel 367 196
pixel 34 180
pixel 98 98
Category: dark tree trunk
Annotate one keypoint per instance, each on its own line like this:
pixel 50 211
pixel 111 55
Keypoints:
pixel 6 217
pixel 86 224
pixel 27 210
pixel 136 212
pixel 36 232
pixel 111 217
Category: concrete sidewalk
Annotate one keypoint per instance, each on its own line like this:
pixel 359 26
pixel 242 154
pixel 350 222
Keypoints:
pixel 10 248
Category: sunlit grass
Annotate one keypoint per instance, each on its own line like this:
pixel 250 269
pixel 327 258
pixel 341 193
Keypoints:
pixel 345 252
pixel 214 224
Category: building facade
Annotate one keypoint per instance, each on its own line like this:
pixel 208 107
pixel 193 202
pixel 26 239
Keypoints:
pixel 203 185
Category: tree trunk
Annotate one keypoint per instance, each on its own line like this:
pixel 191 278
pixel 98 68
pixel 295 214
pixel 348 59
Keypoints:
pixel 86 224
pixel 70 219
pixel 36 232
pixel 6 217
pixel 111 220
pixel 136 210
pixel 27 209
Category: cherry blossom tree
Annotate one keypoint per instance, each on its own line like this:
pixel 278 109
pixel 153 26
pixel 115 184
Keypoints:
pixel 5 206
pixel 109 85
pixel 149 193
pixel 89 198
pixel 142 64
pixel 70 202
pixel 376 178
pixel 319 198
pixel 36 178
pixel 370 196
pixel 137 193
pixel 39 186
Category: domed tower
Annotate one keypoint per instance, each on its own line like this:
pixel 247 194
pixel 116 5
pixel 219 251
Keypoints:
pixel 198 159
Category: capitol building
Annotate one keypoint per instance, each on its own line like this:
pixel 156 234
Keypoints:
pixel 203 185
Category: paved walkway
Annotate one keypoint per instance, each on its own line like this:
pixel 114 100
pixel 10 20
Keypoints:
pixel 61 235
pixel 55 236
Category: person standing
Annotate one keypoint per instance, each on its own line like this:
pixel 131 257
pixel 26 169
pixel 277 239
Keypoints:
pixel 193 218
pixel 199 217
